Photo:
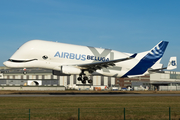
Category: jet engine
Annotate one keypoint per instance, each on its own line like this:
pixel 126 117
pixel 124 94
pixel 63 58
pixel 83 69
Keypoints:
pixel 70 70
pixel 67 71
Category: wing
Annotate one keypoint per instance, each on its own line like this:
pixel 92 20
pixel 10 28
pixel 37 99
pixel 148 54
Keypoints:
pixel 99 65
pixel 156 70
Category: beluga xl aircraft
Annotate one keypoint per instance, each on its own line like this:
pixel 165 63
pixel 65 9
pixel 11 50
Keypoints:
pixel 66 59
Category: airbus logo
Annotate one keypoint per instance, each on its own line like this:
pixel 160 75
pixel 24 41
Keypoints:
pixel 79 56
pixel 173 63
pixel 156 51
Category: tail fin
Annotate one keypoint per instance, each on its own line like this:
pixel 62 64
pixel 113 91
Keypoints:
pixel 172 63
pixel 157 52
pixel 148 59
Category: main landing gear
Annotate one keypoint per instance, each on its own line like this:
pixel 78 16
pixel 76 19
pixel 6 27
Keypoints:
pixel 82 77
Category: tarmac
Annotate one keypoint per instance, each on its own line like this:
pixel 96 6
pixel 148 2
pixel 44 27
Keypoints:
pixel 89 95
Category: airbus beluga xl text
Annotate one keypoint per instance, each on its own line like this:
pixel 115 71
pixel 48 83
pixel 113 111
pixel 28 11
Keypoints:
pixel 67 59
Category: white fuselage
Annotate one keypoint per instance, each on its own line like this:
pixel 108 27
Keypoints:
pixel 53 55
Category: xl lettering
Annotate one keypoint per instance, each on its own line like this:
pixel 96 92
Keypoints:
pixel 105 53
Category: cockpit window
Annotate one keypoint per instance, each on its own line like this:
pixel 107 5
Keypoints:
pixel 21 60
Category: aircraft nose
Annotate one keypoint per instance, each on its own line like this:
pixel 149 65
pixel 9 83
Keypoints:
pixel 10 64
pixel 5 63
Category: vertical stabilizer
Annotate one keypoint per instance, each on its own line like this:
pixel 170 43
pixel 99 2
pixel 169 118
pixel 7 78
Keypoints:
pixel 157 52
pixel 172 63
pixel 149 59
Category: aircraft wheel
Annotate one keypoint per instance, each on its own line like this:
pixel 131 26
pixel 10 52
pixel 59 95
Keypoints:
pixel 85 78
pixel 89 81
pixel 24 72
pixel 79 78
pixel 83 81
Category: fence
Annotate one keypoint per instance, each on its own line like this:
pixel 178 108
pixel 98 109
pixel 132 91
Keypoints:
pixel 133 113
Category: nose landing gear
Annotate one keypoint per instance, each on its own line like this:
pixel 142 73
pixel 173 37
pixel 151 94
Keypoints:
pixel 24 71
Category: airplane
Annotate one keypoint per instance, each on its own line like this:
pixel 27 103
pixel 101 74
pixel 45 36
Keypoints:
pixel 67 59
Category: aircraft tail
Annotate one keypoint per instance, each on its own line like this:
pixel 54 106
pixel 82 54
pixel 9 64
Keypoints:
pixel 172 63
pixel 157 52
pixel 148 59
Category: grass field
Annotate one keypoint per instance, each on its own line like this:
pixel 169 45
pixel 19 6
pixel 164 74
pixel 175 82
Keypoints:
pixel 98 108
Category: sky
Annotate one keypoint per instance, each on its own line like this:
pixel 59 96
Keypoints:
pixel 130 26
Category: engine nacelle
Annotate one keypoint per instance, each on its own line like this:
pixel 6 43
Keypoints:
pixel 59 73
pixel 66 71
pixel 70 70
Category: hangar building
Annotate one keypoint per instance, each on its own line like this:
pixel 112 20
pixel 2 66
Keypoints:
pixel 165 80
pixel 42 77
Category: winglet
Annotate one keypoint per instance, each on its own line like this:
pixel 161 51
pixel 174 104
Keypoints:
pixel 133 56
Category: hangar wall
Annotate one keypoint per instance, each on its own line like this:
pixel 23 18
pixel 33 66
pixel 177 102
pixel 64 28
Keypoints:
pixel 125 82
pixel 169 76
pixel 45 78
pixel 41 77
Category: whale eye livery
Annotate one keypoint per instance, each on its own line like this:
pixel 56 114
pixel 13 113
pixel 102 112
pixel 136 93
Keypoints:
pixel 67 59
pixel 45 57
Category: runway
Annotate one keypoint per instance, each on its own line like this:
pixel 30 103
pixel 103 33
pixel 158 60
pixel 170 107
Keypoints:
pixel 89 95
